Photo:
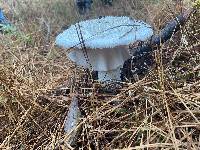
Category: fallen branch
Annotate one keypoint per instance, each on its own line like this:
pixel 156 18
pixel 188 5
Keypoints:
pixel 141 54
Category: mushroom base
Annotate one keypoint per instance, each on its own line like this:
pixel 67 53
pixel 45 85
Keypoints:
pixel 110 75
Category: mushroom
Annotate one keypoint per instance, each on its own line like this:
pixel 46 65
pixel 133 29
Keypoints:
pixel 101 44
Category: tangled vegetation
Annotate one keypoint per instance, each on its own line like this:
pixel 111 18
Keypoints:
pixel 161 110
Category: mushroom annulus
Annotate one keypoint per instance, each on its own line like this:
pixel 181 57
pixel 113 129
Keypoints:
pixel 101 44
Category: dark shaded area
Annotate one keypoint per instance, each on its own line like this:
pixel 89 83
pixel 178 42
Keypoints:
pixel 107 2
pixel 83 5
pixel 142 55
pixel 136 67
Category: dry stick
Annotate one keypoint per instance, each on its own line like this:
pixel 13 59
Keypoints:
pixel 132 136
pixel 189 86
pixel 186 135
pixel 20 104
pixel 32 118
pixel 175 94
pixel 199 141
pixel 156 145
pixel 150 123
pixel 19 125
pixel 171 124
pixel 161 76
pixel 83 46
pixel 84 49
pixel 126 132
pixel 192 114
pixel 92 118
pixel 113 99
pixel 131 130
pixel 161 132
pixel 157 110
pixel 110 110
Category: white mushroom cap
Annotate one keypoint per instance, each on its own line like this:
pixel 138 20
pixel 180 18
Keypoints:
pixel 106 32
pixel 105 40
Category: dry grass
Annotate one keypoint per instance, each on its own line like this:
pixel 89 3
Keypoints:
pixel 160 111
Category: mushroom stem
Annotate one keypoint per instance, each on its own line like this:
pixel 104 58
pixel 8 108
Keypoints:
pixel 110 75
